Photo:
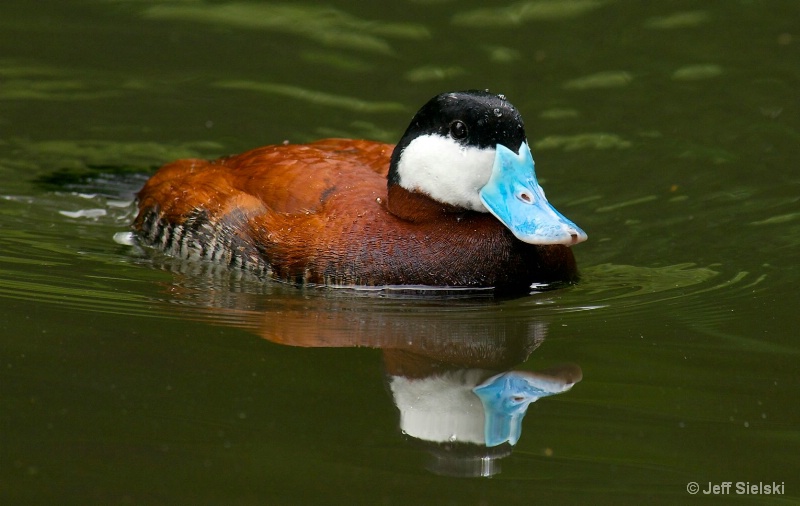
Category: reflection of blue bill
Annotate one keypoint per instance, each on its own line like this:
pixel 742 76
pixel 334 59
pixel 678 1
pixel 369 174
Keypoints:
pixel 506 398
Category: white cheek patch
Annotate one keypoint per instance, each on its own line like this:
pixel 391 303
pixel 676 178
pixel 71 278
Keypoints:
pixel 446 171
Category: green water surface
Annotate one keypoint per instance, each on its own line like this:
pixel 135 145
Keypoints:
pixel 669 131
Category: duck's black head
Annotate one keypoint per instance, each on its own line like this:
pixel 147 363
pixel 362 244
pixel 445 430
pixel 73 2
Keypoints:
pixel 467 150
pixel 448 149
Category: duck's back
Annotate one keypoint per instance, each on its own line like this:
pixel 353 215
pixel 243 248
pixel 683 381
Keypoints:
pixel 200 209
pixel 283 178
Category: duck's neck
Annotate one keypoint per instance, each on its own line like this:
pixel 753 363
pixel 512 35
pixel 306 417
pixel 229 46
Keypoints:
pixel 415 206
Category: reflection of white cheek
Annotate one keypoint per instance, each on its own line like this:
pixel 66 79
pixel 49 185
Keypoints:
pixel 446 171
pixel 441 408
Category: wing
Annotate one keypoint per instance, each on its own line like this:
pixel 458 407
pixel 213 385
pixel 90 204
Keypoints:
pixel 301 178
pixel 282 179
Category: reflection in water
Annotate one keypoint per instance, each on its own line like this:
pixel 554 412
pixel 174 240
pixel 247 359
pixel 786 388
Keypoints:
pixel 451 358
pixel 448 362
pixel 506 398
pixel 467 420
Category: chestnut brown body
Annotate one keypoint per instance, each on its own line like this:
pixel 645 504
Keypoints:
pixel 323 213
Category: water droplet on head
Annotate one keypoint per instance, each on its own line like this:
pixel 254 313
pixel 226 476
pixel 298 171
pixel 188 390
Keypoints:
pixel 498 112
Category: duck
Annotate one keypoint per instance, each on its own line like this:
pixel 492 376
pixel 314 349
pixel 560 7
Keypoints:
pixel 455 203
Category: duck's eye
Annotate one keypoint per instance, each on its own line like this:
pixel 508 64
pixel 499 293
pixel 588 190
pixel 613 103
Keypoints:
pixel 458 130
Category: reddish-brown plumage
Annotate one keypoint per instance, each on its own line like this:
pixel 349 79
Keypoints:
pixel 321 213
pixel 352 212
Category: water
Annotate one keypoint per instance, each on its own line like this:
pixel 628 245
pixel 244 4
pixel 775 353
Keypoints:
pixel 668 131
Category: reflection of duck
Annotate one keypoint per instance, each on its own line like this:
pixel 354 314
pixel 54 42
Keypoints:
pixel 462 206
pixel 474 406
pixel 448 366
pixel 468 418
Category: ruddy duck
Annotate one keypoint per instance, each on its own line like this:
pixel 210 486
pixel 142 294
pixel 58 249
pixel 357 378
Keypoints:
pixel 455 203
